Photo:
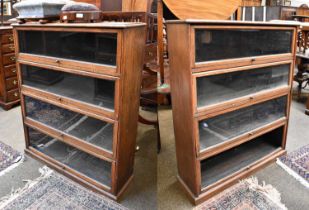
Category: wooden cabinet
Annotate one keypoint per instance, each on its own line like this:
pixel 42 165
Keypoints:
pixel 231 91
pixel 9 95
pixel 80 86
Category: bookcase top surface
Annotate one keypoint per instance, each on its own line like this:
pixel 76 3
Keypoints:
pixel 228 22
pixel 5 27
pixel 102 25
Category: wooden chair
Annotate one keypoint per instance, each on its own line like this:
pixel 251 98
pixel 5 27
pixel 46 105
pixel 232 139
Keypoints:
pixel 149 94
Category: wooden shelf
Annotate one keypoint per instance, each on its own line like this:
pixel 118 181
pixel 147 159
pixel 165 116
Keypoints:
pixel 229 162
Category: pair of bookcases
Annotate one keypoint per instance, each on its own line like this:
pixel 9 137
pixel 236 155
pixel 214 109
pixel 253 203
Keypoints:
pixel 231 88
pixel 231 92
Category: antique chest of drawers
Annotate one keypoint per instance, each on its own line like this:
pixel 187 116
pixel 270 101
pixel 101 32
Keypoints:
pixel 80 86
pixel 9 93
pixel 231 91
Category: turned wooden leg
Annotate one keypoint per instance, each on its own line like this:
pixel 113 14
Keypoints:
pixel 299 90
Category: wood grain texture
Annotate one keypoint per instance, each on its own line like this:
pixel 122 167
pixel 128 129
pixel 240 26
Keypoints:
pixel 197 9
pixel 130 80
pixel 182 106
pixel 9 95
pixel 136 5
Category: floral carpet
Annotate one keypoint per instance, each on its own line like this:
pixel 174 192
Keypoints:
pixel 53 191
pixel 246 195
pixel 8 158
pixel 297 164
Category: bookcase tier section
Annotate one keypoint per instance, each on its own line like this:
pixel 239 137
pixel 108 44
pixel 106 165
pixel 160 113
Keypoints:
pixel 100 48
pixel 85 128
pixel 223 128
pixel 80 161
pixel 98 92
pixel 233 160
pixel 219 44
pixel 223 87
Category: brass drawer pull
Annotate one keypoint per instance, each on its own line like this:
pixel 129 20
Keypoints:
pixel 15 82
pixel 11 38
pixel 12 47
pixel 15 94
pixel 13 58
pixel 14 70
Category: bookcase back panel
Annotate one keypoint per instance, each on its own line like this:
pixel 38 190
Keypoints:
pixel 225 127
pixel 80 161
pixel 217 44
pixel 233 160
pixel 100 48
pixel 91 130
pixel 223 87
pixel 98 92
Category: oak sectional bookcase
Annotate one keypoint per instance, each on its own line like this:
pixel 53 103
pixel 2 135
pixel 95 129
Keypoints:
pixel 231 91
pixel 80 89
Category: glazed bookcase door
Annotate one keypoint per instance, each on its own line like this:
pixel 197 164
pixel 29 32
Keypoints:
pixel 230 126
pixel 238 43
pixel 86 164
pixel 218 88
pixel 94 92
pixel 91 133
pixel 97 48
pixel 216 47
pixel 93 50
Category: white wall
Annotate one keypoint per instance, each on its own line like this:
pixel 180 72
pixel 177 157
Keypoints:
pixel 297 3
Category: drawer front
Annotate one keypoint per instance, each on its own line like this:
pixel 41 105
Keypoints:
pixel 8 48
pixel 98 92
pixel 11 83
pixel 9 59
pixel 223 128
pixel 10 71
pixel 84 163
pixel 13 95
pixel 223 87
pixel 7 38
pixel 98 48
pixel 219 45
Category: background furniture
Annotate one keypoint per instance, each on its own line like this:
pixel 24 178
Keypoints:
pixel 121 5
pixel 196 9
pixel 84 123
pixel 268 13
pixel 149 94
pixel 9 94
pixel 231 84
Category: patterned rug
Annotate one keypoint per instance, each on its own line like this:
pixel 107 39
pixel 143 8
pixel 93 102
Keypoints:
pixel 297 164
pixel 246 195
pixel 53 191
pixel 9 158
